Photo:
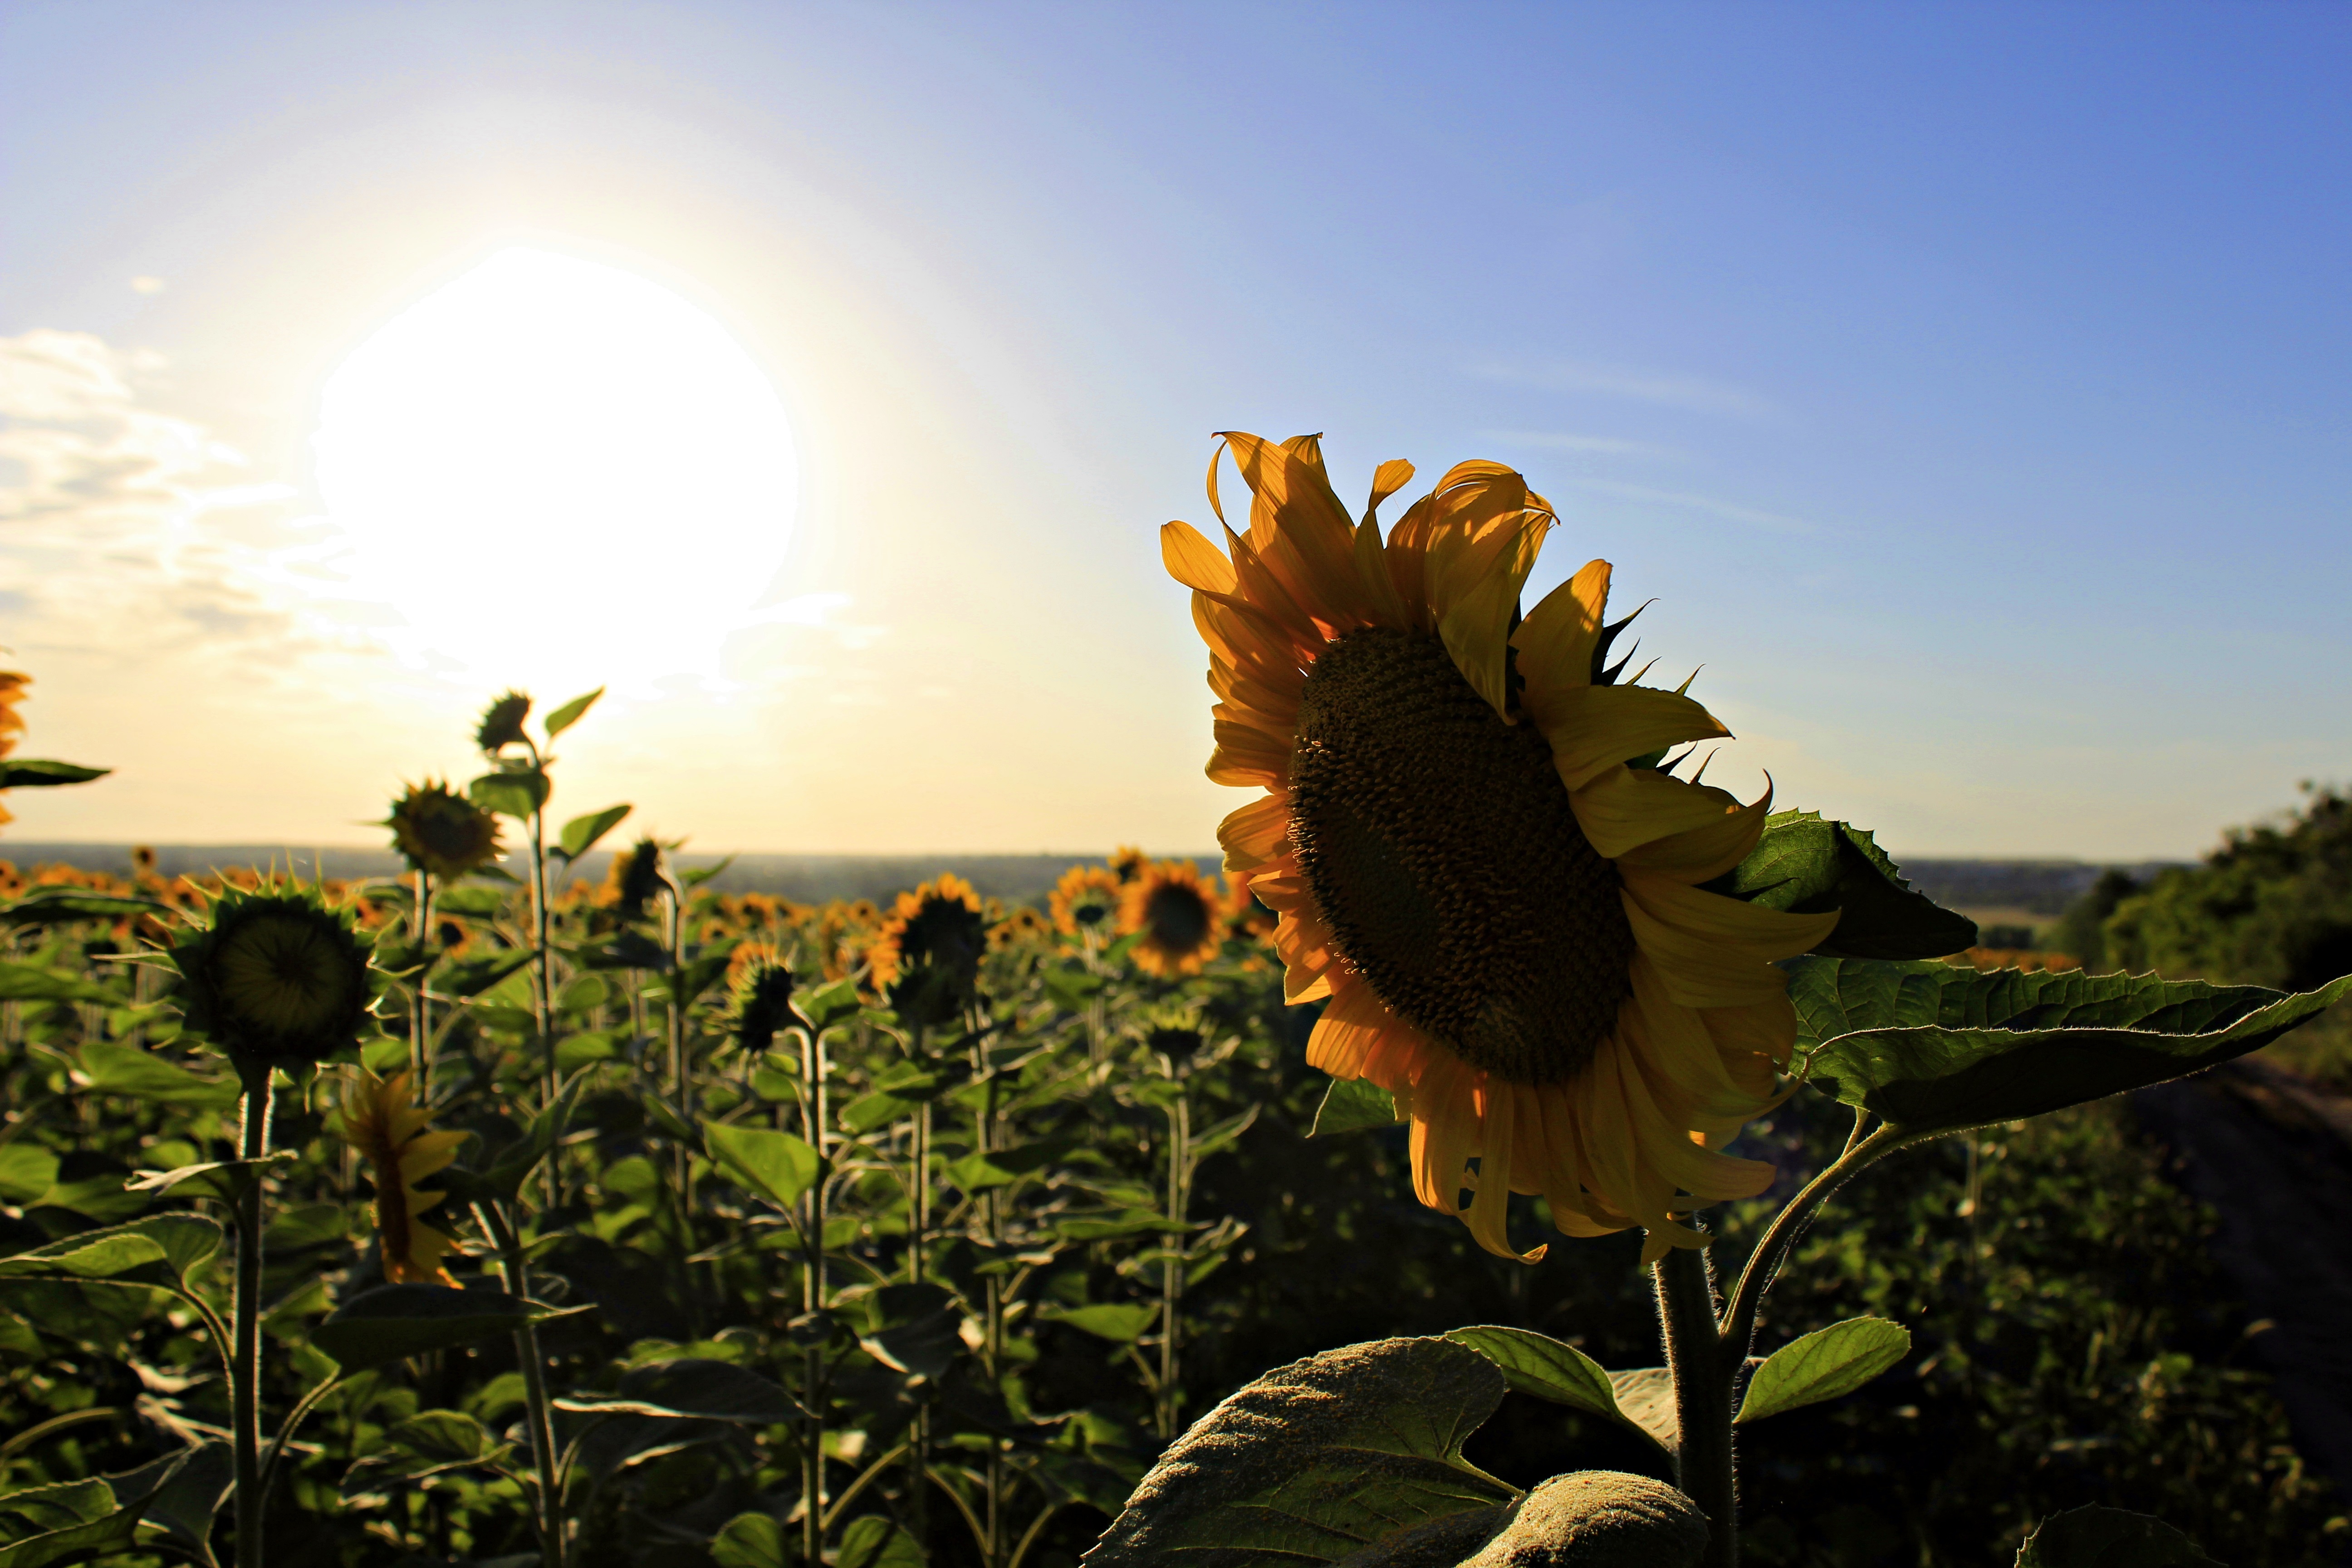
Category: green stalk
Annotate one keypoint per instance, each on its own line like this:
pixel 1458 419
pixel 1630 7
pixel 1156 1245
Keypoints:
pixel 420 1026
pixel 244 1359
pixel 1172 1267
pixel 540 1416
pixel 918 1446
pixel 1738 1330
pixel 1705 1467
pixel 984 1140
pixel 542 990
pixel 813 1300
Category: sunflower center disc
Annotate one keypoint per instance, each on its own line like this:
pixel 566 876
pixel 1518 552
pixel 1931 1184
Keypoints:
pixel 1442 849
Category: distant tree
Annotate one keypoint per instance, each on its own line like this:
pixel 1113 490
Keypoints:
pixel 2081 930
pixel 2272 906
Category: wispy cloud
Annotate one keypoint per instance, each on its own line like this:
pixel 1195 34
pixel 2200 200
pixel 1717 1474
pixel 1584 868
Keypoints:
pixel 1727 511
pixel 1597 446
pixel 1700 394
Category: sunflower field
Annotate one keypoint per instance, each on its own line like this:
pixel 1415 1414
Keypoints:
pixel 489 1213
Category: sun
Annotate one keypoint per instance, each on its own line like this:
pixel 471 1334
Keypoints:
pixel 558 474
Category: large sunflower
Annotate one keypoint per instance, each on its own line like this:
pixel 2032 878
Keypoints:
pixel 1473 858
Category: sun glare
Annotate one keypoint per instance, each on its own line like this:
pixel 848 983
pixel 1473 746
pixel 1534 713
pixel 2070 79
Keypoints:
pixel 559 474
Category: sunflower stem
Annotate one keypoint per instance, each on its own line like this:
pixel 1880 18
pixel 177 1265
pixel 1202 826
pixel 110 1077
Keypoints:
pixel 541 1422
pixel 1704 1467
pixel 813 1070
pixel 420 1022
pixel 1738 1330
pixel 245 1361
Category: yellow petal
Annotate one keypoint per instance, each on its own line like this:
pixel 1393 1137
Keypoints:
pixel 1594 728
pixel 1255 835
pixel 1351 1027
pixel 1445 1134
pixel 1490 1209
pixel 1192 561
pixel 1387 479
pixel 1623 808
pixel 1248 755
pixel 1773 934
pixel 1702 854
pixel 1557 639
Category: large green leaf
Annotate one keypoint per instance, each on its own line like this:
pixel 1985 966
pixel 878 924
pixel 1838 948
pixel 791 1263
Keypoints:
pixel 751 1541
pixel 430 1442
pixel 1926 1079
pixel 580 833
pixel 1808 865
pixel 1352 1104
pixel 1823 1364
pixel 1117 1322
pixel 1534 1363
pixel 110 1067
pixel 1837 996
pixel 772 1165
pixel 26 1170
pixel 873 1541
pixel 2100 1537
pixel 79 1521
pixel 515 794
pixel 563 717
pixel 158 1250
pixel 393 1321
pixel 1319 1460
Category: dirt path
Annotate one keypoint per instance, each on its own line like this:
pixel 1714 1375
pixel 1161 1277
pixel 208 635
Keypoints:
pixel 2273 1153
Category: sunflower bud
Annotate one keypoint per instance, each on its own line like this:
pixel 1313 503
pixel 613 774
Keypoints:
pixel 441 832
pixel 637 878
pixel 760 999
pixel 276 975
pixel 502 724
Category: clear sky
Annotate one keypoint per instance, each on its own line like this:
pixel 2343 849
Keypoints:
pixel 1969 384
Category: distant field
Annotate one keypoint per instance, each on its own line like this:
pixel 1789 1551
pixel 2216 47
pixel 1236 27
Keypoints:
pixel 2002 892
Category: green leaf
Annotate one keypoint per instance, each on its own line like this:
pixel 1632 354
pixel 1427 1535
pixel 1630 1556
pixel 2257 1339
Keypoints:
pixel 691 1390
pixel 1322 1459
pixel 1808 865
pixel 777 1165
pixel 110 1067
pixel 580 833
pixel 25 1172
pixel 1924 1079
pixel 515 794
pixel 100 1255
pixel 1835 996
pixel 1352 1104
pixel 1823 1364
pixel 754 1541
pixel 31 982
pixel 2100 1537
pixel 576 1051
pixel 833 1003
pixel 223 1179
pixel 563 717
pixel 473 904
pixel 57 906
pixel 28 772
pixel 393 1321
pixel 873 1541
pixel 185 1505
pixel 472 976
pixel 1120 1322
pixel 431 1443
pixel 694 876
pixel 86 1518
pixel 1535 1364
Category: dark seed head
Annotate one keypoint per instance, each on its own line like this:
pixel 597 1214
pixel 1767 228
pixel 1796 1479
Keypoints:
pixel 1444 853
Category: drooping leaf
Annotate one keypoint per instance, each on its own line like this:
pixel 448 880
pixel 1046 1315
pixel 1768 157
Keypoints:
pixel 1319 1460
pixel 777 1165
pixel 1925 1080
pixel 157 1250
pixel 393 1322
pixel 26 1170
pixel 190 1497
pixel 1537 1365
pixel 517 794
pixel 57 906
pixel 563 717
pixel 1823 1364
pixel 108 1067
pixel 2099 1537
pixel 86 1518
pixel 1807 865
pixel 580 833
pixel 430 1442
pixel 224 1179
pixel 1837 996
pixel 751 1540
pixel 1117 1322
pixel 33 772
pixel 1352 1104
pixel 692 1389
pixel 31 982
pixel 873 1541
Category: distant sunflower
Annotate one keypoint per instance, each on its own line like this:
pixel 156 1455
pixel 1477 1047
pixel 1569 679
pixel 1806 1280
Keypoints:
pixel 1128 863
pixel 1246 920
pixel 391 1132
pixel 637 879
pixel 12 724
pixel 441 832
pixel 1024 927
pixel 1085 901
pixel 1176 912
pixel 502 724
pixel 927 956
pixel 1473 858
pixel 759 995
pixel 275 975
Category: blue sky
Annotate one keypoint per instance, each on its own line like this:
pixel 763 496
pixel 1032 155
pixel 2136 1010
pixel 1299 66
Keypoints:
pixel 1966 384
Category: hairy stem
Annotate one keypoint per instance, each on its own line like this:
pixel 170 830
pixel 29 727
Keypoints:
pixel 1739 1331
pixel 1704 1464
pixel 538 1416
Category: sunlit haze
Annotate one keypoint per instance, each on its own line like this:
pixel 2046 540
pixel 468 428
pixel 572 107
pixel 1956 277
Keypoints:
pixel 547 456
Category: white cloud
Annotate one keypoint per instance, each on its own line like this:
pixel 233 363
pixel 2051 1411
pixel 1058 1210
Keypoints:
pixel 1730 511
pixel 1598 446
pixel 1700 394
